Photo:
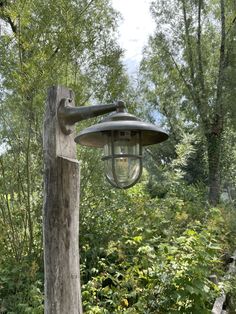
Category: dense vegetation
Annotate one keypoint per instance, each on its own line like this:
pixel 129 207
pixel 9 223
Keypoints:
pixel 152 248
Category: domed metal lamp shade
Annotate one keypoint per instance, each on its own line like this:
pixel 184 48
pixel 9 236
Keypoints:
pixel 122 137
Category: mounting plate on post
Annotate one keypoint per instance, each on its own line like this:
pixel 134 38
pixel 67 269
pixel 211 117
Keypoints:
pixel 65 106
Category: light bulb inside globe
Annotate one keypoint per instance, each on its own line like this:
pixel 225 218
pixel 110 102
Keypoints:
pixel 123 157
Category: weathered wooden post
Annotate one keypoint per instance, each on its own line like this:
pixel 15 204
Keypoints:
pixel 60 212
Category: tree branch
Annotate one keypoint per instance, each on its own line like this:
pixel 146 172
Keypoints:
pixel 182 76
pixel 189 45
pixel 13 26
pixel 199 51
pixel 219 113
pixel 6 17
pixel 86 8
pixel 195 98
pixel 198 101
pixel 230 27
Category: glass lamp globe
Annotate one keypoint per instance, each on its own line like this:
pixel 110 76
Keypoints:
pixel 122 156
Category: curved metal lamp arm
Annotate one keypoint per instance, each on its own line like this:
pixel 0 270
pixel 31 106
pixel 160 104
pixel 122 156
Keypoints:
pixel 68 114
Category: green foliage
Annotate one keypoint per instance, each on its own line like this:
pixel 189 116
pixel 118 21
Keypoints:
pixel 160 260
pixel 171 176
pixel 149 249
pixel 228 164
pixel 232 294
pixel 20 288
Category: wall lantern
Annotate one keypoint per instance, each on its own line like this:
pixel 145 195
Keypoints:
pixel 121 135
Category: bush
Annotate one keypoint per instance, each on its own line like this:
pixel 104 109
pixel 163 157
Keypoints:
pixel 159 263
pixel 20 288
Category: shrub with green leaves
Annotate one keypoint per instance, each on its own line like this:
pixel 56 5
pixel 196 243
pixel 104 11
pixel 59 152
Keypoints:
pixel 159 263
pixel 20 288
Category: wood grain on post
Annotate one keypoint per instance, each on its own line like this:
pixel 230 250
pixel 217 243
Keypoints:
pixel 60 212
pixel 219 302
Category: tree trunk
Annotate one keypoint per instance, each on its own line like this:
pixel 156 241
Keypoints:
pixel 214 153
pixel 215 136
pixel 60 213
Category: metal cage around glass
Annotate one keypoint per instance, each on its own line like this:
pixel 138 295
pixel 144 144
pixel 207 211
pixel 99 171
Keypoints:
pixel 122 158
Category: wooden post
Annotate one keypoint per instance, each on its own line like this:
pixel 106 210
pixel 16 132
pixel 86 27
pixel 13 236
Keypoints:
pixel 60 212
pixel 219 302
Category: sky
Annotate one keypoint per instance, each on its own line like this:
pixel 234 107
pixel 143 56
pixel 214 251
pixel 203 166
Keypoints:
pixel 134 30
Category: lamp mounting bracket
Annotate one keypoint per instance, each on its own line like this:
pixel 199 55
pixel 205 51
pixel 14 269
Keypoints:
pixel 68 114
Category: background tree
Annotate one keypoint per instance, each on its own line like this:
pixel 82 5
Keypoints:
pixel 185 69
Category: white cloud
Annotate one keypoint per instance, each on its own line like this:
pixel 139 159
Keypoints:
pixel 135 28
